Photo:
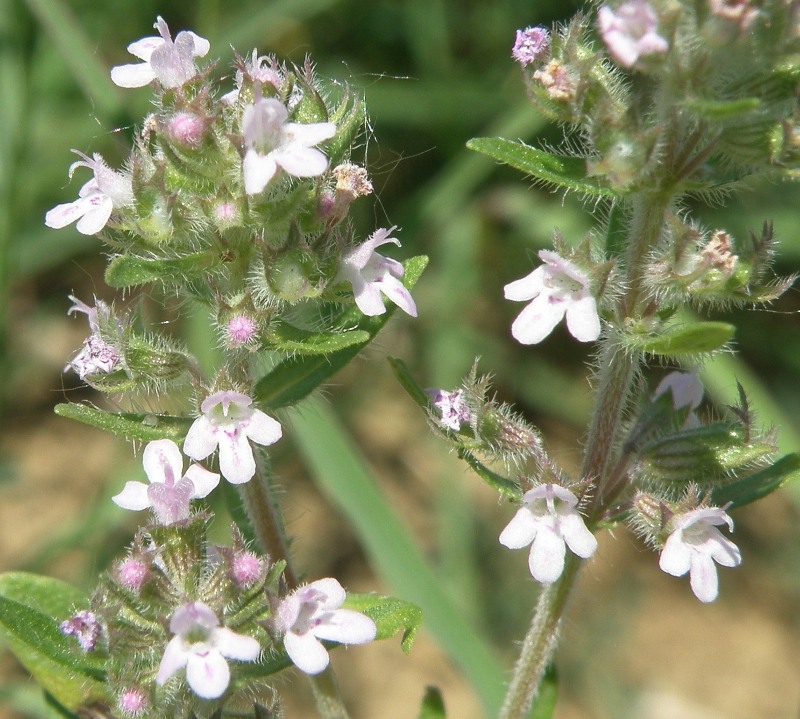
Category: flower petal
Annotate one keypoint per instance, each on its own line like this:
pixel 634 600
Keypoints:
pixel 262 429
pixel 703 577
pixel 258 170
pixel 582 320
pixel 546 560
pixel 203 480
pixel 578 538
pixel 347 627
pixel 174 659
pixel 307 652
pixel 63 215
pixel 201 439
pixel 537 320
pixel 97 216
pixel 309 134
pixel 236 461
pixel 162 461
pixel 300 161
pixel 520 531
pixel 676 557
pixel 208 674
pixel 333 591
pixel 526 288
pixel 133 496
pixel 236 646
pixel 722 549
pixel 133 75
pixel 397 292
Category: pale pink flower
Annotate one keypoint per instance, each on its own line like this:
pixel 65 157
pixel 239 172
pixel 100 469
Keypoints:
pixel 530 45
pixel 201 645
pixel 230 423
pixel 549 521
pixel 170 492
pixel 557 288
pixel 371 274
pixel 630 31
pixel 85 627
pixel 693 546
pixel 311 613
pixel 97 199
pixel 687 391
pixel 273 143
pixel 452 408
pixel 96 356
pixel 171 63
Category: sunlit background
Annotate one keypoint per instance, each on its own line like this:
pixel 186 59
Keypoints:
pixel 435 73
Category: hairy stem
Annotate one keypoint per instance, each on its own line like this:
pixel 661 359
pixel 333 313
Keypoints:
pixel 265 516
pixel 617 376
pixel 539 643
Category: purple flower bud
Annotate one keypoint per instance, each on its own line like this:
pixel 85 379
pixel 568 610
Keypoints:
pixel 132 573
pixel 246 569
pixel 133 702
pixel 187 129
pixel 85 627
pixel 531 44
pixel 241 330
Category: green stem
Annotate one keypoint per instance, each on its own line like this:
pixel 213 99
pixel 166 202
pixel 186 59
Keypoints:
pixel 265 516
pixel 540 642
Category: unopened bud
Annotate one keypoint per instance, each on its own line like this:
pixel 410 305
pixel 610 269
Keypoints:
pixel 187 129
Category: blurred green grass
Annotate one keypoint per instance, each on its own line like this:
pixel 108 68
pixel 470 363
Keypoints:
pixel 435 73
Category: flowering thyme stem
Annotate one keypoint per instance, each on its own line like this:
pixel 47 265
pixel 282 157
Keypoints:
pixel 264 514
pixel 615 383
pixel 540 642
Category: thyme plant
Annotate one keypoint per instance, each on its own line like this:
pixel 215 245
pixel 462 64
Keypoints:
pixel 236 198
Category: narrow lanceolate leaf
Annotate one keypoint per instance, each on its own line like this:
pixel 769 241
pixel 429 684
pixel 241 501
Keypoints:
pixel 410 385
pixel 565 172
pixel 31 610
pixel 759 484
pixel 688 339
pixel 724 109
pixel 140 426
pixel 295 378
pixel 432 705
pixel 288 338
pixel 127 271
pixel 390 616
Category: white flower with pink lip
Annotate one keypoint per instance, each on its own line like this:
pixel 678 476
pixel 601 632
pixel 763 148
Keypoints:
pixel 311 613
pixel 201 645
pixel 273 143
pixel 557 288
pixel 693 546
pixel 169 492
pixel 549 521
pixel 97 199
pixel 630 31
pixel 230 423
pixel 171 63
pixel 371 275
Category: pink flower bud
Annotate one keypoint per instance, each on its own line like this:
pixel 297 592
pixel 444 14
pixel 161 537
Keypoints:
pixel 241 330
pixel 187 129
pixel 132 573
pixel 133 702
pixel 246 569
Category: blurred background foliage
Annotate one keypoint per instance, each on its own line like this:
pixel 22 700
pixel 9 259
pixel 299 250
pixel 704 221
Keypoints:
pixel 435 73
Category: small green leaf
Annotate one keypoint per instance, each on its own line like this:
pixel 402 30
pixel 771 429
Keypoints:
pixel 296 377
pixel 142 426
pixel 565 172
pixel 390 616
pixel 31 609
pixel 410 385
pixel 616 235
pixel 127 270
pixel 432 705
pixel 723 109
pixel 759 484
pixel 544 704
pixel 495 481
pixel 293 339
pixel 687 339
